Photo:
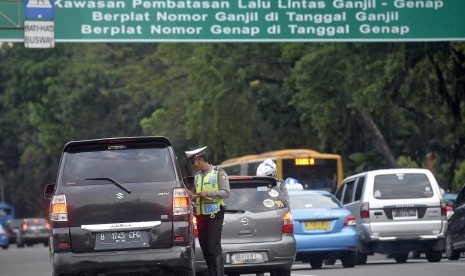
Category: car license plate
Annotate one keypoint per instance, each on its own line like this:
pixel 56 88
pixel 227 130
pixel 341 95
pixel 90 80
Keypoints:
pixel 317 225
pixel 121 239
pixel 247 258
pixel 405 213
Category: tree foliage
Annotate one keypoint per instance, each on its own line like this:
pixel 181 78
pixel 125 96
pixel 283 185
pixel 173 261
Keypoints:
pixel 379 105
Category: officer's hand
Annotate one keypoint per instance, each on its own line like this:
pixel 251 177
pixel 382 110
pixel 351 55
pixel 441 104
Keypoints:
pixel 203 194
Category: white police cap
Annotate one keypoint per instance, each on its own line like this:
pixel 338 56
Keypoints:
pixel 194 153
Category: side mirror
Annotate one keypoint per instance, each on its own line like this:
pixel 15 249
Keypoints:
pixel 49 190
pixel 189 182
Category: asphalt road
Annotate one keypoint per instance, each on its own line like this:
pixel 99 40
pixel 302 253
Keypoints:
pixel 34 261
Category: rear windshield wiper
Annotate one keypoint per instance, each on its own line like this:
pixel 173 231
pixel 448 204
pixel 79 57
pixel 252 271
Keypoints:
pixel 112 181
pixel 233 211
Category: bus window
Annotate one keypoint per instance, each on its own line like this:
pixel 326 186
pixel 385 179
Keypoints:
pixel 252 168
pixel 233 170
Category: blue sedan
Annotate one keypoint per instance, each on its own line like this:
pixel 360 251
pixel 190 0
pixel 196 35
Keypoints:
pixel 4 240
pixel 323 228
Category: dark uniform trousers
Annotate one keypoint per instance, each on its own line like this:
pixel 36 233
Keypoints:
pixel 210 241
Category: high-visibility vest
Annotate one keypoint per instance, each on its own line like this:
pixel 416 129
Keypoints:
pixel 207 183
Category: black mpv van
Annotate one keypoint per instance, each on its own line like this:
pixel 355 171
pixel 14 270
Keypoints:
pixel 120 207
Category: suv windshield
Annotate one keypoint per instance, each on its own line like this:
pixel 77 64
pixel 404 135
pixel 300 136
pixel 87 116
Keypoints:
pixel 123 165
pixel 402 186
pixel 255 199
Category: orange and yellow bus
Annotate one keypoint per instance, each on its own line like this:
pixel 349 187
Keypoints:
pixel 314 170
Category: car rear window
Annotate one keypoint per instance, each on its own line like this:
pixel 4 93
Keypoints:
pixel 314 201
pixel 124 165
pixel 255 198
pixel 402 186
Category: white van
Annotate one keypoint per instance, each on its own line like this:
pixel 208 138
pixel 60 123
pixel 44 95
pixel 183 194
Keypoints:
pixel 397 211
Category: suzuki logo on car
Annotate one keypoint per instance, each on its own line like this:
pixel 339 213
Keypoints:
pixel 119 196
pixel 245 221
pixel 120 225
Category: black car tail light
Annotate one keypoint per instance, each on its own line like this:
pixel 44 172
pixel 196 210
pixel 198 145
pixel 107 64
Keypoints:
pixel 58 208
pixel 181 202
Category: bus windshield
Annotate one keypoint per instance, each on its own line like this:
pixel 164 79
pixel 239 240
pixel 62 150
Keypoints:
pixel 322 175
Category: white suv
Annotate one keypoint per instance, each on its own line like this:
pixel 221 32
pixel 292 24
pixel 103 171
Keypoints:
pixel 397 211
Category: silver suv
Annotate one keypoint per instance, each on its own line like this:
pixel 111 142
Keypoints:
pixel 397 211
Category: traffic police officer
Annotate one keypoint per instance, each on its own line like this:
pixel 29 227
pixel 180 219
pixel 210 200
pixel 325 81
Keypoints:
pixel 211 188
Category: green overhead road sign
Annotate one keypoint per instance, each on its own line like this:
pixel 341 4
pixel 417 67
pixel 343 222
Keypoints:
pixel 250 20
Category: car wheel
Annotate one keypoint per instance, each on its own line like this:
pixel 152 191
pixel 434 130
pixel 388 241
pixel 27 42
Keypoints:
pixel 349 259
pixel 401 258
pixel 280 272
pixel 4 247
pixel 316 263
pixel 433 256
pixel 361 258
pixel 20 245
pixel 451 254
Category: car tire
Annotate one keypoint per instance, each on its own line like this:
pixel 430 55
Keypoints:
pixel 401 258
pixel 20 245
pixel 349 259
pixel 316 263
pixel 361 258
pixel 5 247
pixel 433 256
pixel 280 272
pixel 451 254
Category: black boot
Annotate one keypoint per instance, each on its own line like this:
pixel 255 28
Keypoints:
pixel 219 265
